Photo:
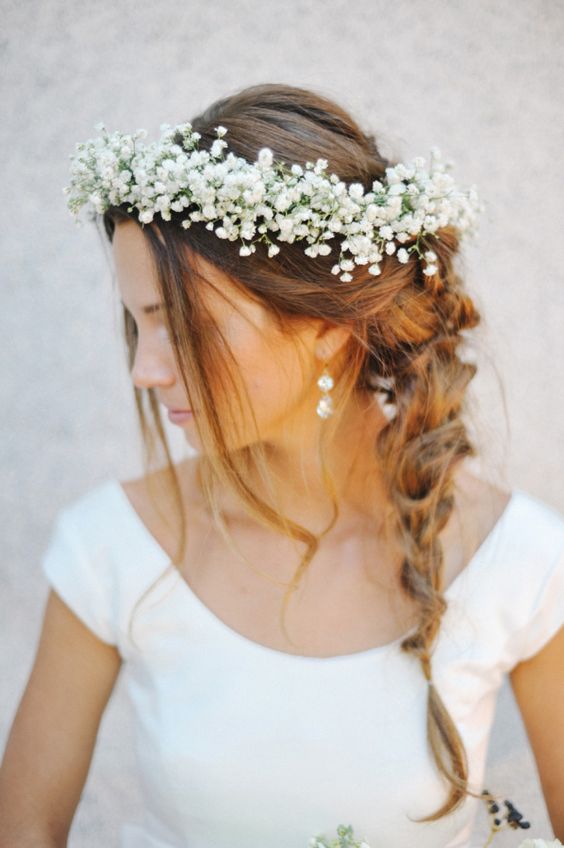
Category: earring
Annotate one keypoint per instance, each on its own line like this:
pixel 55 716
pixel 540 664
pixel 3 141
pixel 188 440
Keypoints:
pixel 325 404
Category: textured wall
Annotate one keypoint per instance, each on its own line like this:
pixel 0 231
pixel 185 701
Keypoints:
pixel 481 80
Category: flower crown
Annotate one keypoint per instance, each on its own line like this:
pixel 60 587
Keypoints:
pixel 267 197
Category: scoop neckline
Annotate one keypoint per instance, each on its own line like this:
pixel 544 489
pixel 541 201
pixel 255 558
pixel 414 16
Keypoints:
pixel 140 527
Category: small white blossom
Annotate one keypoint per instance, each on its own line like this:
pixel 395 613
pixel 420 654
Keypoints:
pixel 265 157
pixel 386 232
pixel 218 146
pixel 356 191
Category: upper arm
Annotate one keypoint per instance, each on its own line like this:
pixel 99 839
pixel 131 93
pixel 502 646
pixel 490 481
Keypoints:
pixel 52 738
pixel 538 686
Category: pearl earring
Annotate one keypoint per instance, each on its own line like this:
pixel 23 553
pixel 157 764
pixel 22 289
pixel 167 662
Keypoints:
pixel 325 404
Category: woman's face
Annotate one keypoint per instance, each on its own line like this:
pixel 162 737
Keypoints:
pixel 267 362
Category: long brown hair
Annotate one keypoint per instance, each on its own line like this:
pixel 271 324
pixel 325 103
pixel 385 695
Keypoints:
pixel 406 333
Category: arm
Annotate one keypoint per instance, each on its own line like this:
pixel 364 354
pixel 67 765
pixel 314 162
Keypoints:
pixel 538 686
pixel 52 738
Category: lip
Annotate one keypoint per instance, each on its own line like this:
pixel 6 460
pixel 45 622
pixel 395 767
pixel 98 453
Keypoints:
pixel 179 416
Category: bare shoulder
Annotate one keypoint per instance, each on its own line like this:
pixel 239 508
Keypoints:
pixel 482 499
pixel 153 497
pixel 478 506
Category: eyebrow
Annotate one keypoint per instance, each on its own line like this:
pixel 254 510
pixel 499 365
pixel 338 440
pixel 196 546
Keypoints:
pixel 148 310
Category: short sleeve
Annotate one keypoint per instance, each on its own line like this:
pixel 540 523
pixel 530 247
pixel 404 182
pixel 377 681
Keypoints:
pixel 72 572
pixel 546 612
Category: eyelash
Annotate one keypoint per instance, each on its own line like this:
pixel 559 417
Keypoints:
pixel 131 323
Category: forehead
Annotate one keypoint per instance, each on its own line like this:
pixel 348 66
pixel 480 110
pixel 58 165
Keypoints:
pixel 137 278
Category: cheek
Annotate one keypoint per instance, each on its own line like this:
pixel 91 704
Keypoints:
pixel 271 374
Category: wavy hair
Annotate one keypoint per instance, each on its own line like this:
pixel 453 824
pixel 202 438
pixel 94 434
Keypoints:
pixel 405 339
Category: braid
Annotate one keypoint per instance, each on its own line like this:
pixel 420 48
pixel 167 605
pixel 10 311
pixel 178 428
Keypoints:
pixel 419 449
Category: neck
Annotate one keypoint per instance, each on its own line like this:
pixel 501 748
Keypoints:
pixel 297 475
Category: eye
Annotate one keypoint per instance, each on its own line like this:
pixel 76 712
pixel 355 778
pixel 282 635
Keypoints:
pixel 130 324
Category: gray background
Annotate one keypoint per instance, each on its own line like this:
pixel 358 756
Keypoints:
pixel 481 80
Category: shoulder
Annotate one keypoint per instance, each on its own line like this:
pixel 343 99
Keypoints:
pixel 482 501
pixel 155 500
pixel 478 507
pixel 525 529
pixel 485 502
pixel 144 487
pixel 92 509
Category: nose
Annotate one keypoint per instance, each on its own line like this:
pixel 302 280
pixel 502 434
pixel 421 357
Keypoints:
pixel 152 367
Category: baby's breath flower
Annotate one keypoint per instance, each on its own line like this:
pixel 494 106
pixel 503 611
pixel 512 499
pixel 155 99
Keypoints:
pixel 254 201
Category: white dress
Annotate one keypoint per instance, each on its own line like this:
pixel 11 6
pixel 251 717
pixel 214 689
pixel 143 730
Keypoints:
pixel 243 746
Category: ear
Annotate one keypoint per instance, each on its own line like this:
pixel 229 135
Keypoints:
pixel 330 338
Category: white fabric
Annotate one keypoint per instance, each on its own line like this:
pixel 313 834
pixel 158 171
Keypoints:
pixel 243 746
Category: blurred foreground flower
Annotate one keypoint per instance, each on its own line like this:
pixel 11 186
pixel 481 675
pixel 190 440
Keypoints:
pixel 345 839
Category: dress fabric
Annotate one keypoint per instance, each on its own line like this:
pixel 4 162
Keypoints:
pixel 239 745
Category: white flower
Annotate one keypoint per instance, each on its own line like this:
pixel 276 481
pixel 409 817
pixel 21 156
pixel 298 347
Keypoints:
pixel 249 200
pixel 218 146
pixel 265 157
pixel 356 191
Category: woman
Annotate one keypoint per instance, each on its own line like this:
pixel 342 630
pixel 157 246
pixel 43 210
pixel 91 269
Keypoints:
pixel 344 596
